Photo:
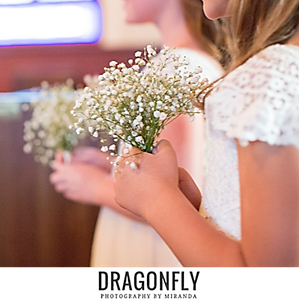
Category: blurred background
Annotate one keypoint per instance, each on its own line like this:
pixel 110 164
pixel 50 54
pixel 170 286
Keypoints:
pixel 51 40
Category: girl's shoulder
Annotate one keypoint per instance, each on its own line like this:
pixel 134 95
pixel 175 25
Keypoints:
pixel 278 59
pixel 274 62
pixel 278 54
pixel 260 99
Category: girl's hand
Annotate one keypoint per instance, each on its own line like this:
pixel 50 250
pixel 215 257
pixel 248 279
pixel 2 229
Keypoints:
pixel 92 156
pixel 139 189
pixel 82 183
pixel 189 188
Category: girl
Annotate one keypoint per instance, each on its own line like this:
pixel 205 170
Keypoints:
pixel 121 238
pixel 251 193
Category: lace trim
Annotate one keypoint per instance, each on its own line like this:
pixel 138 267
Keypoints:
pixel 260 99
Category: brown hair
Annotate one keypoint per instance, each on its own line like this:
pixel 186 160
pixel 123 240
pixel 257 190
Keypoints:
pixel 253 26
pixel 205 31
pixel 257 24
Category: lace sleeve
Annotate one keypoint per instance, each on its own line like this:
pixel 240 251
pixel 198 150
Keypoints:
pixel 260 100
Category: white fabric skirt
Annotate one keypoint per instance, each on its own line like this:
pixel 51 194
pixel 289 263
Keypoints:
pixel 122 242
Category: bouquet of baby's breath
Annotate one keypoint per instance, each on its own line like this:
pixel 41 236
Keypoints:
pixel 135 105
pixel 50 127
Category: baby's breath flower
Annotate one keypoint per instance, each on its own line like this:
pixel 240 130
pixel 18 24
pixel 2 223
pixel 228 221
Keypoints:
pixel 163 116
pixel 113 63
pixel 53 123
pixel 135 105
pixel 133 165
pixel 139 139
pixel 79 131
pixel 157 114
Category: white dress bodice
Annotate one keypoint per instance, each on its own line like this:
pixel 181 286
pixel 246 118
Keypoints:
pixel 257 101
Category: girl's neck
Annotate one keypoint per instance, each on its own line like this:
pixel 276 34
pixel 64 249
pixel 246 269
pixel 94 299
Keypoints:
pixel 180 37
pixel 295 39
pixel 174 31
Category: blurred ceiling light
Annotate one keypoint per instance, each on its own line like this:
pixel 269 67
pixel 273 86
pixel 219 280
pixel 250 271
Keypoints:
pixel 45 22
pixel 13 2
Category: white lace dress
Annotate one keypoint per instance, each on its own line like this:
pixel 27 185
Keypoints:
pixel 257 101
pixel 122 242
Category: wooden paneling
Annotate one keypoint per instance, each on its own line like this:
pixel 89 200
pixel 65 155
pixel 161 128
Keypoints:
pixel 24 67
pixel 38 227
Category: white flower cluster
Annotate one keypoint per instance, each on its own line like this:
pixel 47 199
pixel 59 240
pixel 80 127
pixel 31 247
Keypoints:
pixel 51 125
pixel 135 104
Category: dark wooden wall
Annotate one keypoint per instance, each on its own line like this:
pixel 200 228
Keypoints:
pixel 38 227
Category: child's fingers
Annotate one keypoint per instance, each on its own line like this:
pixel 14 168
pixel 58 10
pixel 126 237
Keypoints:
pixel 59 156
pixel 189 188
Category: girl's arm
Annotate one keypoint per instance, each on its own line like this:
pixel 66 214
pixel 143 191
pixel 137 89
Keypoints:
pixel 269 182
pixel 269 179
pixel 165 207
pixel 191 238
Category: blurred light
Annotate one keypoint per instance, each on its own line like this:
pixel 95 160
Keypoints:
pixel 10 2
pixel 50 22
pixel 14 2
